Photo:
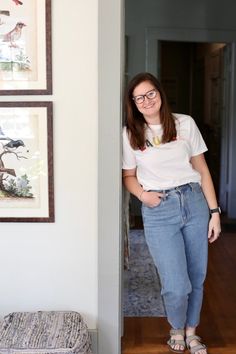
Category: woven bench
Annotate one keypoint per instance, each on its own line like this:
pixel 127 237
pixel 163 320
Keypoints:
pixel 44 332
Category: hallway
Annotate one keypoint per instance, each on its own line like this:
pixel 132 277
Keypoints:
pixel 217 328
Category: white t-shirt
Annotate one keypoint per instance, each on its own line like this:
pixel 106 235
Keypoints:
pixel 163 166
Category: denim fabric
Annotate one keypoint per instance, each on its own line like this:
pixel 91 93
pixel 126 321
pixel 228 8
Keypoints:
pixel 176 234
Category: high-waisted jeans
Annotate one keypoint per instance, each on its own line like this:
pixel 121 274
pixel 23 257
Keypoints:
pixel 176 234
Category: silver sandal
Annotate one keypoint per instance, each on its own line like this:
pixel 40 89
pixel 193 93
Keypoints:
pixel 197 347
pixel 172 342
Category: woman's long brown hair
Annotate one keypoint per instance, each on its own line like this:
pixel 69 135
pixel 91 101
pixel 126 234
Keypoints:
pixel 135 121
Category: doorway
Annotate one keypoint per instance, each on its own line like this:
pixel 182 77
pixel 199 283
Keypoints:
pixel 194 76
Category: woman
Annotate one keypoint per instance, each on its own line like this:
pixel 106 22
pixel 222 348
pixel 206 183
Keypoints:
pixel 164 167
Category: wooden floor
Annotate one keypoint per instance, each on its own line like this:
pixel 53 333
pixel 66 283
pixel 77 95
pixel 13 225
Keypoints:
pixel 218 320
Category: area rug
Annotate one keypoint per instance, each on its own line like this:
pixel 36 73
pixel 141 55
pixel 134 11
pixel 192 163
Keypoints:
pixel 141 295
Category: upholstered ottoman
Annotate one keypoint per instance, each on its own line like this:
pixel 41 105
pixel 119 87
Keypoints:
pixel 44 333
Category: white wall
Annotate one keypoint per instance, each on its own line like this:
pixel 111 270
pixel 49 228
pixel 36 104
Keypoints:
pixel 54 266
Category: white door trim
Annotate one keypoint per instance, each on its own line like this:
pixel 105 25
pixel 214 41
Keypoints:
pixel 110 77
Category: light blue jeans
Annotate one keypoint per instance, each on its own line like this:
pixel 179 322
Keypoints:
pixel 176 234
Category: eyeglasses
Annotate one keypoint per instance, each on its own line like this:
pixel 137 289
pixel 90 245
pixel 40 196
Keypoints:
pixel 140 98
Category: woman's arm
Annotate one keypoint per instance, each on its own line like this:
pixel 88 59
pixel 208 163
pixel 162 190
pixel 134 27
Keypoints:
pixel 131 183
pixel 199 164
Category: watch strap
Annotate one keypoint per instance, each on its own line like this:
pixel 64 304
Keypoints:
pixel 215 210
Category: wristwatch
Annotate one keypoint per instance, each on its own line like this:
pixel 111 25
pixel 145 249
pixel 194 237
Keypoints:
pixel 216 210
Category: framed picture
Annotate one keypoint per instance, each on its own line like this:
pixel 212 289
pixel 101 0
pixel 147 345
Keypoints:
pixel 25 47
pixel 26 162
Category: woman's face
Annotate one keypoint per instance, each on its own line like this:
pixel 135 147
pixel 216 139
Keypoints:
pixel 148 101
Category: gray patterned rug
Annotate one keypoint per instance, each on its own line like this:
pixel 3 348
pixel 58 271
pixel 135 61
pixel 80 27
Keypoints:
pixel 141 297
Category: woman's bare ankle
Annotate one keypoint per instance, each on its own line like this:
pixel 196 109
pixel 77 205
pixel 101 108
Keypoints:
pixel 190 331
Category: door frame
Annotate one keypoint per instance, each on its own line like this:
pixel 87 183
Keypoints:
pixel 152 64
pixel 110 84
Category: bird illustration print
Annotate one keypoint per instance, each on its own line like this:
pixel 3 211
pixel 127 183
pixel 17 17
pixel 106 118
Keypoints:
pixel 13 185
pixel 14 35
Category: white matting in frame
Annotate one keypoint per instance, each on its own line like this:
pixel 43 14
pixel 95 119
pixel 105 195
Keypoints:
pixel 25 47
pixel 26 162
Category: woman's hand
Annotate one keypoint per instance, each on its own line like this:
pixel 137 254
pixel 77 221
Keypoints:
pixel 214 229
pixel 151 199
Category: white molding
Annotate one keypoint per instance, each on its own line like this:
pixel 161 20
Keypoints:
pixel 110 78
pixel 94 340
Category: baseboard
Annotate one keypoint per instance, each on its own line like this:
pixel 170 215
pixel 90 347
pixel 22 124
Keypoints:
pixel 94 339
